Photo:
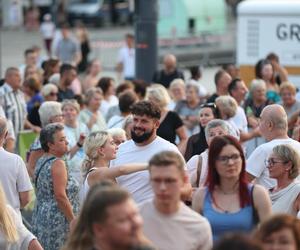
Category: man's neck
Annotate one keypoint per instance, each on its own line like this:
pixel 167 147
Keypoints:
pixel 277 135
pixel 167 209
pixel 221 92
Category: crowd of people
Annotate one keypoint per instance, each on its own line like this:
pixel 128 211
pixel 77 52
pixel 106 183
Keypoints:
pixel 136 165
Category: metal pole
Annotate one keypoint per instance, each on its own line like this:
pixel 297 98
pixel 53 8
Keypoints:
pixel 146 14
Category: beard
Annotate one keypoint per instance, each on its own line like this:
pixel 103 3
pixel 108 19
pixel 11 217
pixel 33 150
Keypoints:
pixel 141 138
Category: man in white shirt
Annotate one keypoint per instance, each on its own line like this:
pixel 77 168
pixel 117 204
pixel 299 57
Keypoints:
pixel 13 174
pixel 143 145
pixel 273 127
pixel 126 59
pixel 168 222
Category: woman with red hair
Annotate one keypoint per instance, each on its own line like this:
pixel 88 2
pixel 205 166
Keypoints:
pixel 228 201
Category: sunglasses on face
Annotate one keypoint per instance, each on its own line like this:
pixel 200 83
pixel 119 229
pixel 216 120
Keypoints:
pixel 53 94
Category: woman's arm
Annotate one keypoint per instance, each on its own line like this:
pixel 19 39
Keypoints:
pixel 297 205
pixel 262 202
pixel 60 179
pixel 198 199
pixel 181 133
pixel 111 173
pixel 33 157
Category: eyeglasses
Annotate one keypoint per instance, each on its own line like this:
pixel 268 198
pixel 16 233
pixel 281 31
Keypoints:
pixel 272 162
pixel 208 105
pixel 225 159
pixel 53 94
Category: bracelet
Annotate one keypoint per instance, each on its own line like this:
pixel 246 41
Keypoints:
pixel 79 145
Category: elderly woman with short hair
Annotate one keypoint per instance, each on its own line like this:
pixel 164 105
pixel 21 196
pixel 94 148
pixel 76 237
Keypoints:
pixel 49 112
pixel 198 166
pixel 57 199
pixel 75 132
pixel 283 165
pixel 49 92
pixel 91 115
pixel 287 92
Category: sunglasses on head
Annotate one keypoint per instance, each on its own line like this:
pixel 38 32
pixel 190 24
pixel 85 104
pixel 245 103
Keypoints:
pixel 208 105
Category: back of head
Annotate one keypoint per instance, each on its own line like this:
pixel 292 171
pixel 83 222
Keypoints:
pixel 237 242
pixel 49 109
pixel 146 108
pixel 218 76
pixel 94 141
pixel 159 95
pixel 277 223
pixel 277 115
pixel 126 100
pixel 100 198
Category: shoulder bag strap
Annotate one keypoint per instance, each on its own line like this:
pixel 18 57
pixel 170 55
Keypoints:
pixel 38 173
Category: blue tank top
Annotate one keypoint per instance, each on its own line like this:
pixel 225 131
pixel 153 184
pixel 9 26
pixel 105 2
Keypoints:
pixel 221 223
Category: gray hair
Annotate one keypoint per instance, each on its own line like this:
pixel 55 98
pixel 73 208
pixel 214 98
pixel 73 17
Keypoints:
pixel 257 84
pixel 47 134
pixel 178 82
pixel 192 86
pixel 48 110
pixel 48 89
pixel 287 153
pixel 217 123
pixel 71 102
pixel 89 94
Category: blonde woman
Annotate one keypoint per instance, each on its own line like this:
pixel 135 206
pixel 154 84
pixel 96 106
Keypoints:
pixel 13 234
pixel 171 125
pixel 100 149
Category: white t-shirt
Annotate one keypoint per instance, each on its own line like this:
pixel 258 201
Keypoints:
pixel 192 165
pixel 127 58
pixel 106 104
pixel 183 230
pixel 138 184
pixel 47 29
pixel 240 120
pixel 13 177
pixel 256 165
pixel 25 236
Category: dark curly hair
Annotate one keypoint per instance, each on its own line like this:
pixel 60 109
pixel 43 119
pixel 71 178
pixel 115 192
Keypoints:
pixel 147 108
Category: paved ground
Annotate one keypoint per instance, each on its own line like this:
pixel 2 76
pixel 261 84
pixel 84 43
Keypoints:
pixel 14 42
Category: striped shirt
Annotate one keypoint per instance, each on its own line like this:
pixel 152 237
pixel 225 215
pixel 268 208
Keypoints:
pixel 14 106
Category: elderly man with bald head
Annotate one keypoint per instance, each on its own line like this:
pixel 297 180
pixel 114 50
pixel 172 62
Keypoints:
pixel 169 72
pixel 273 127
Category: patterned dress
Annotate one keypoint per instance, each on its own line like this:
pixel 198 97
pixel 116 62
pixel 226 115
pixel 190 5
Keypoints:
pixel 50 225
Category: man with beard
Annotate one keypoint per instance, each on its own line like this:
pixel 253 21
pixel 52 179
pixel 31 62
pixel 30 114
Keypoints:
pixel 143 145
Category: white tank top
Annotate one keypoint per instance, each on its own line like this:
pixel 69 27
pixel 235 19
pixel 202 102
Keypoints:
pixel 85 187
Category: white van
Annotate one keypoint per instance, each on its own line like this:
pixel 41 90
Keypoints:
pixel 265 26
